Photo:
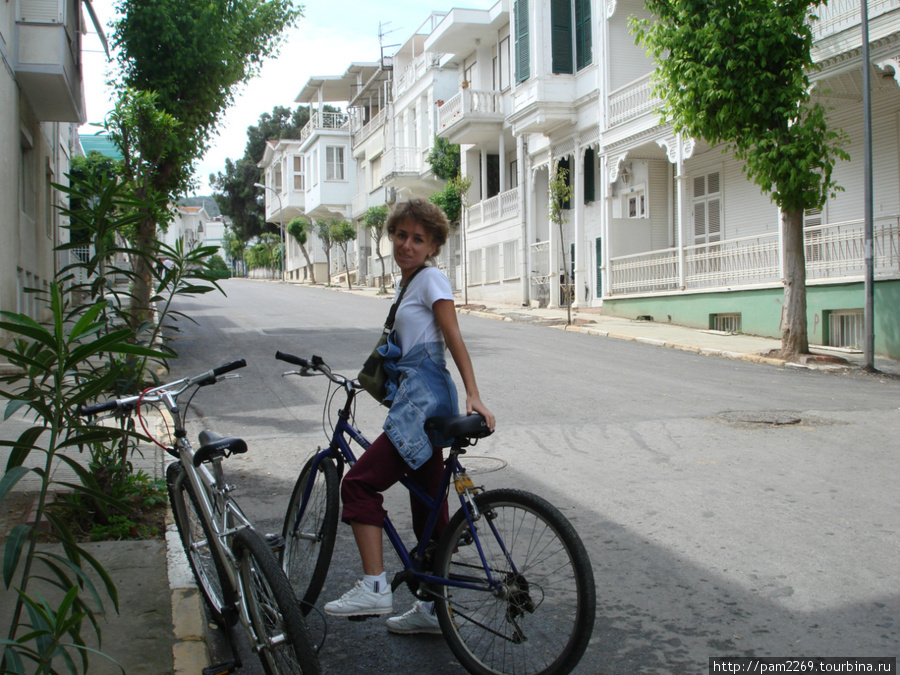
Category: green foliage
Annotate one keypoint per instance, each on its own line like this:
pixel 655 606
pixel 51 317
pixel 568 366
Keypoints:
pixel 322 229
pixel 561 192
pixel 449 201
pixel 63 365
pixel 217 263
pixel 444 159
pixel 238 198
pixel 374 221
pixel 300 229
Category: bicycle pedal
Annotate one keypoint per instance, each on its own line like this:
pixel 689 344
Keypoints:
pixel 220 668
pixel 275 542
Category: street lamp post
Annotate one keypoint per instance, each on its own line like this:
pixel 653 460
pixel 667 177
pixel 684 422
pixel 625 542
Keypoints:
pixel 280 221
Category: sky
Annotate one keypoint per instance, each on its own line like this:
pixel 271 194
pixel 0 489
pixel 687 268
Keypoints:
pixel 330 35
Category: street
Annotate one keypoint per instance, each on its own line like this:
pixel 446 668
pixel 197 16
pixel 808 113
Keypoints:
pixel 710 533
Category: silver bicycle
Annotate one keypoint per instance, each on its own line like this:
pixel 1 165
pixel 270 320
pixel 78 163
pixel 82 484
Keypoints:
pixel 234 565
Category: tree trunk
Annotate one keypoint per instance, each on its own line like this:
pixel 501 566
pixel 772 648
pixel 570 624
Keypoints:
pixel 347 268
pixel 794 337
pixel 145 242
pixel 309 265
pixel 328 264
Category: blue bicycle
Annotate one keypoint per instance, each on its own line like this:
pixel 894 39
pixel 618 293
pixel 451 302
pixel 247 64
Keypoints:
pixel 510 578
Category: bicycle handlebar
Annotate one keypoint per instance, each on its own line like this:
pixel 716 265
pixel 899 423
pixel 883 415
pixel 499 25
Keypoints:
pixel 152 395
pixel 317 364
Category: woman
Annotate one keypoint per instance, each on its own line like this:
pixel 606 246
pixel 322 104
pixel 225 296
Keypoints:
pixel 420 387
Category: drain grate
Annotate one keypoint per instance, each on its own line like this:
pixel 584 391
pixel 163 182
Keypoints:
pixel 771 417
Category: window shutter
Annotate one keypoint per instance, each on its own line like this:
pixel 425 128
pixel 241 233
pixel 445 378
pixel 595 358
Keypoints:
pixel 583 41
pixel 713 220
pixel 589 162
pixel 523 52
pixel 561 36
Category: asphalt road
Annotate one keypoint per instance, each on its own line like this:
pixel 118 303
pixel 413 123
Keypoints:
pixel 712 531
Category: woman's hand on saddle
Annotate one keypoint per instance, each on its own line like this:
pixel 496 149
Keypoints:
pixel 474 405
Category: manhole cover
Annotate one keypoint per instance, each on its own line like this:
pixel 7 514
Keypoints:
pixel 771 417
pixel 477 465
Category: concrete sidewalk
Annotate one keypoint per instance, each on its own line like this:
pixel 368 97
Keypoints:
pixel 161 627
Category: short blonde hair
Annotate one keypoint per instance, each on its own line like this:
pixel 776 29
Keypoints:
pixel 428 215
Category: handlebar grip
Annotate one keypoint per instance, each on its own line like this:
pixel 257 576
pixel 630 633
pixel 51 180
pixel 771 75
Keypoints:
pixel 228 367
pixel 87 410
pixel 290 358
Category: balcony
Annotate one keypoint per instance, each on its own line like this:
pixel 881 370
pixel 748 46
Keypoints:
pixel 631 101
pixel 494 210
pixel 319 121
pixel 544 104
pixel 48 72
pixel 403 166
pixel 363 132
pixel 833 251
pixel 839 15
pixel 472 116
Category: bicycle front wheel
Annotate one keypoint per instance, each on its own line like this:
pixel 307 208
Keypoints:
pixel 281 638
pixel 198 545
pixel 538 617
pixel 309 541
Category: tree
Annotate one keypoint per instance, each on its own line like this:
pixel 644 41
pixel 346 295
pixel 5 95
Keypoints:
pixel 560 196
pixel 323 230
pixel 342 233
pixel 299 229
pixel 237 198
pixel 175 89
pixel 735 72
pixel 374 220
pixel 444 159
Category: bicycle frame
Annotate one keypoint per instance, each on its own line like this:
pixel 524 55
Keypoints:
pixel 340 448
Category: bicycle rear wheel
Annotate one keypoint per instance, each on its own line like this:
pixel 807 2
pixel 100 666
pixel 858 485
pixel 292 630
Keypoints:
pixel 197 541
pixel 541 619
pixel 309 543
pixel 281 638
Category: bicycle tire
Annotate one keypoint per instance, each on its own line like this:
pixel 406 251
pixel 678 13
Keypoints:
pixel 308 548
pixel 544 618
pixel 282 641
pixel 195 537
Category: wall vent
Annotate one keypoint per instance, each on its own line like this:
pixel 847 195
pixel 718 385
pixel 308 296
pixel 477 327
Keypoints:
pixel 727 323
pixel 846 328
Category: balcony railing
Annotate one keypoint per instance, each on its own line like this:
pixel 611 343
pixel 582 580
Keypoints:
pixel 324 120
pixel 839 15
pixel 832 251
pixel 632 100
pixel 483 104
pixel 493 210
pixel 361 134
pixel 402 160
pixel 414 71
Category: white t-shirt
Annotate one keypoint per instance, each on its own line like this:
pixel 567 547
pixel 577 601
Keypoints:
pixel 415 322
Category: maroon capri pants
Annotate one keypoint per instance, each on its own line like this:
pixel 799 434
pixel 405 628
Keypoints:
pixel 379 467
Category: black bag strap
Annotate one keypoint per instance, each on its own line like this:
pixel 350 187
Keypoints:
pixel 389 323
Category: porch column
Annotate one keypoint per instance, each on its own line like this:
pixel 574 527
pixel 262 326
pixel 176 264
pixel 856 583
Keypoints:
pixel 524 211
pixel 578 261
pixel 605 215
pixel 503 185
pixel 484 173
pixel 553 243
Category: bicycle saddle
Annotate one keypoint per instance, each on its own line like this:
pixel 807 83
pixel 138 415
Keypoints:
pixel 459 426
pixel 213 446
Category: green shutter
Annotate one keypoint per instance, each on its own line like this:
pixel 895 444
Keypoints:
pixel 583 43
pixel 589 163
pixel 561 36
pixel 599 245
pixel 523 52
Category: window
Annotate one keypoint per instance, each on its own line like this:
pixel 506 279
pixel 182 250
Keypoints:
pixel 523 52
pixel 298 172
pixel 27 186
pixel 492 264
pixel 513 174
pixel 334 162
pixel 707 209
pixel 511 268
pixel 815 250
pixel 565 164
pixel 570 39
pixel 475 273
pixel 503 65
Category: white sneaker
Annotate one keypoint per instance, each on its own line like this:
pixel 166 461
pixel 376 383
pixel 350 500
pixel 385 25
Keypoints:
pixel 416 620
pixel 360 601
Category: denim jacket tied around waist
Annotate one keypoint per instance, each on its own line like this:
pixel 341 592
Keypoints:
pixel 419 386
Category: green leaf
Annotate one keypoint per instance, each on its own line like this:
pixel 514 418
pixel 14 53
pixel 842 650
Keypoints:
pixel 12 552
pixel 12 476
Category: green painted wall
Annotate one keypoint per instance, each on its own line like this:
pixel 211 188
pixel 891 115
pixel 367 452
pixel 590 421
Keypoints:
pixel 760 310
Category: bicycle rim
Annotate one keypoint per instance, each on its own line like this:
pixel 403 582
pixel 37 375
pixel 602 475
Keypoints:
pixel 281 639
pixel 196 539
pixel 308 546
pixel 544 615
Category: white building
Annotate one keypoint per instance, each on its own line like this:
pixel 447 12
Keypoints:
pixel 41 106
pixel 659 226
